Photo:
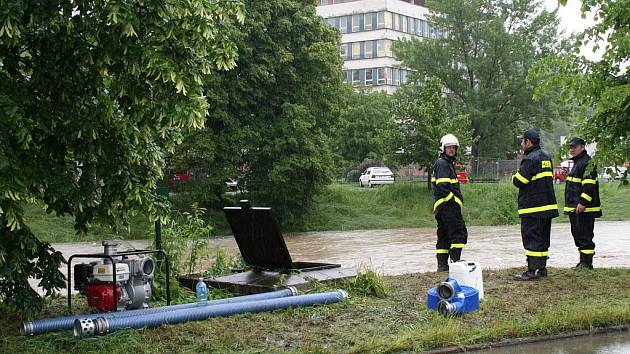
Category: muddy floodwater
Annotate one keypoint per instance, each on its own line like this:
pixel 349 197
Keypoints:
pixel 401 251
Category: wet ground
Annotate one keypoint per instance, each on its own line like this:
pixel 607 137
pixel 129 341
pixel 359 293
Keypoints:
pixel 401 251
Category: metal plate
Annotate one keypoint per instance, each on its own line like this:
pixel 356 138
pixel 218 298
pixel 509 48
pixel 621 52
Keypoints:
pixel 258 237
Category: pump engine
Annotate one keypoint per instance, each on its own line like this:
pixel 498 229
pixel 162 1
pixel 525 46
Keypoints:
pixel 133 281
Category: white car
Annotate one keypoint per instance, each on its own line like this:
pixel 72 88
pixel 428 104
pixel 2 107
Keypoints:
pixel 373 176
pixel 612 173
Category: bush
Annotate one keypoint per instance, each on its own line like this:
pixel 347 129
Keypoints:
pixel 353 176
pixel 367 283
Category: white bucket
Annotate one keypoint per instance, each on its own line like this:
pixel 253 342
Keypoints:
pixel 467 273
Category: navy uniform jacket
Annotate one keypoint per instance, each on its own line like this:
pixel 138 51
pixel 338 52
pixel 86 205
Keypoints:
pixel 446 190
pixel 582 187
pixel 534 180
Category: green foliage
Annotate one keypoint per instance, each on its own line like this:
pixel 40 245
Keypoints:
pixel 601 90
pixel 367 129
pixel 271 117
pixel 422 114
pixel 353 175
pixel 367 283
pixel 92 96
pixel 223 264
pixel 186 240
pixel 483 63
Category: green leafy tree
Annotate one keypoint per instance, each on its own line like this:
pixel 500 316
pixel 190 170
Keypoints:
pixel 271 118
pixel 422 114
pixel 368 129
pixel 483 58
pixel 600 89
pixel 93 94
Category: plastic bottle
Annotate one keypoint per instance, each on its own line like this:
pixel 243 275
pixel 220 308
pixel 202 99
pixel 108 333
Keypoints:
pixel 202 292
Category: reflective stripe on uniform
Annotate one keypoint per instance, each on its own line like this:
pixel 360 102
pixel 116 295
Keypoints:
pixel 536 254
pixel 440 201
pixel 587 210
pixel 520 177
pixel 459 201
pixel 586 196
pixel 441 250
pixel 574 179
pixel 589 181
pixel 537 209
pixel 587 251
pixel 444 180
pixel 457 245
pixel 542 175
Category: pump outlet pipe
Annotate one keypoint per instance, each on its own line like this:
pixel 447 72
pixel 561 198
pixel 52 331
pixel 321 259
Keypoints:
pixel 89 326
pixel 67 322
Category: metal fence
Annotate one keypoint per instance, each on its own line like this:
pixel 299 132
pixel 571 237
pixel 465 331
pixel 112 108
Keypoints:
pixel 490 170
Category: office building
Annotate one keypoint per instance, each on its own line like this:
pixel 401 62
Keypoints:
pixel 368 29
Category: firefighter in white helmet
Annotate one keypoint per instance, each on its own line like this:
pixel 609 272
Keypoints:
pixel 447 205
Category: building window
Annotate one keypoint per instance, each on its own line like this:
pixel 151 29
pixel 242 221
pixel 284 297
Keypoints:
pixel 343 50
pixel 384 48
pixel 412 25
pixel 420 28
pixel 356 23
pixel 343 24
pixel 396 77
pixel 368 77
pixel 381 76
pixel 356 50
pixel 405 21
pixel 369 46
pixel 395 22
pixel 403 77
pixel 381 20
pixel 356 78
pixel 368 21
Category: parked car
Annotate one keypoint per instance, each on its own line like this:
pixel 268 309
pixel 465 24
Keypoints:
pixel 373 176
pixel 612 173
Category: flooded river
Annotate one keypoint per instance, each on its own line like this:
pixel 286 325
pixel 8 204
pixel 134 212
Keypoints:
pixel 401 251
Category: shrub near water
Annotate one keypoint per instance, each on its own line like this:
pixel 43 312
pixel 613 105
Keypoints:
pixel 367 283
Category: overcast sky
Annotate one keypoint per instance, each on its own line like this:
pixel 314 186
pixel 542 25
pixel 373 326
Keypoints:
pixel 571 21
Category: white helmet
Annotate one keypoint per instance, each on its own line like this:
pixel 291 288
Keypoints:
pixel 448 140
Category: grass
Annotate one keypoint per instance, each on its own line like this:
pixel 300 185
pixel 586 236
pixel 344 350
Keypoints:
pixel 52 228
pixel 406 204
pixel 348 207
pixel 394 321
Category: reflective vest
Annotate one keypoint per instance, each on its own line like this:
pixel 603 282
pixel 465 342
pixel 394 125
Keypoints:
pixel 534 180
pixel 582 187
pixel 446 190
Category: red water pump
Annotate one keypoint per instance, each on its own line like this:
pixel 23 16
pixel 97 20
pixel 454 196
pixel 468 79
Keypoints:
pixel 101 297
pixel 132 285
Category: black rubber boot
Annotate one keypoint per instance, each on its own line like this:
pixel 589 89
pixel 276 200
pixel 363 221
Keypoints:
pixel 534 269
pixel 542 262
pixel 455 254
pixel 442 262
pixel 586 262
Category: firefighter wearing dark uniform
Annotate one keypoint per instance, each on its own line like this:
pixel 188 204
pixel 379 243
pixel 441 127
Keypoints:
pixel 581 197
pixel 536 204
pixel 447 203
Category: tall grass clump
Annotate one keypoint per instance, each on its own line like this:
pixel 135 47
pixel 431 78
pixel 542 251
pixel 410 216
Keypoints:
pixel 367 283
